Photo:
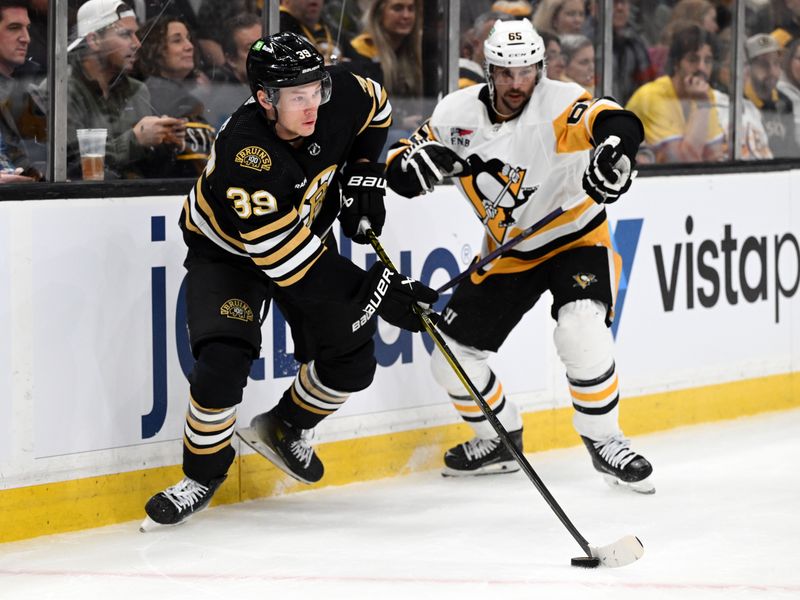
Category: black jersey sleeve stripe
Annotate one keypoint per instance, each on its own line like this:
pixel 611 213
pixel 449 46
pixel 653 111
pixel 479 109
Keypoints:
pixel 287 221
pixel 380 114
pixel 296 260
pixel 199 220
pixel 187 218
pixel 296 275
pixel 284 250
pixel 202 204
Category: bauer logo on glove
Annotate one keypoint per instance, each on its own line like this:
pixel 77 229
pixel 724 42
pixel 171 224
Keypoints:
pixel 610 172
pixel 362 196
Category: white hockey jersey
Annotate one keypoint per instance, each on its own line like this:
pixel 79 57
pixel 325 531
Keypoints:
pixel 524 168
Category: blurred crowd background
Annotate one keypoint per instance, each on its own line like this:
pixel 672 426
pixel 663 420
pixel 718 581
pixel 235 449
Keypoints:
pixel 161 76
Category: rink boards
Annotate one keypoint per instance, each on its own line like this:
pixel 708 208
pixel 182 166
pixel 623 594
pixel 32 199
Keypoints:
pixel 94 355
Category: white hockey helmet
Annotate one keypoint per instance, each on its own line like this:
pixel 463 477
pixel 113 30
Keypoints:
pixel 513 44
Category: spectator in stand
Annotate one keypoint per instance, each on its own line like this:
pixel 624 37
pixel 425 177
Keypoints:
pixel 553 57
pixel 469 11
pixel 304 17
pixel 578 53
pixel 101 94
pixel 37 50
pixel 699 12
pixel 241 31
pixel 470 65
pixel 229 81
pixel 702 12
pixel 166 62
pixel 786 19
pixel 560 16
pixel 211 37
pixel 15 164
pixel 631 67
pixel 392 37
pixel 761 80
pixel 519 9
pixel 678 110
pixel 789 83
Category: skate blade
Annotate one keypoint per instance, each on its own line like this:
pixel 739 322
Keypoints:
pixel 645 486
pixel 149 525
pixel 249 436
pixel 496 469
pixel 623 552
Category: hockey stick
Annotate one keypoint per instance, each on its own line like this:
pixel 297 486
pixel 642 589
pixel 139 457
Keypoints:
pixel 528 231
pixel 622 552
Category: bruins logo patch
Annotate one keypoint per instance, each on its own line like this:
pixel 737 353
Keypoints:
pixel 254 157
pixel 583 280
pixel 237 309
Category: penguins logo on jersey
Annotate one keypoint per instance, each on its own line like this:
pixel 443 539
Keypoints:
pixel 496 189
pixel 315 193
pixel 583 280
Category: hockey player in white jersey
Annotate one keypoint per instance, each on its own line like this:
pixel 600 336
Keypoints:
pixel 519 147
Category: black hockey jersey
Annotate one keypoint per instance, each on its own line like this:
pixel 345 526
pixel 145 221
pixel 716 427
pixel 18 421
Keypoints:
pixel 264 202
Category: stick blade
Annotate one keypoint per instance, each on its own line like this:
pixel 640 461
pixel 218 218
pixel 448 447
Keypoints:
pixel 619 554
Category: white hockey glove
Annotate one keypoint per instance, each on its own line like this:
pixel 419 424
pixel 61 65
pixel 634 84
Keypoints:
pixel 431 162
pixel 610 172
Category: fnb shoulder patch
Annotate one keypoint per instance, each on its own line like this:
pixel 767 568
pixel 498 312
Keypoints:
pixel 237 309
pixel 254 157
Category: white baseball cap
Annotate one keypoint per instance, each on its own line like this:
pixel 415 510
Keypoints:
pixel 94 15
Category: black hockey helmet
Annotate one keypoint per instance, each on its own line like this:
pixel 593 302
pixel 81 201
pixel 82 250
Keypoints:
pixel 282 60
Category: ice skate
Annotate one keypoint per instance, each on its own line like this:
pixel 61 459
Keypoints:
pixel 482 457
pixel 285 446
pixel 179 502
pixel 619 465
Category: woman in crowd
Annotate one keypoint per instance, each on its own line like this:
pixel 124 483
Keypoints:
pixel 786 18
pixel 392 38
pixel 553 58
pixel 578 53
pixel 167 64
pixel 560 16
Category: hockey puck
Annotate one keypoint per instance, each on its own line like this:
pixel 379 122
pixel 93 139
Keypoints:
pixel 585 562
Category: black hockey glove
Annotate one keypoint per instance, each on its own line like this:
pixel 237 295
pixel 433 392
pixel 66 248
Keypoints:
pixel 392 296
pixel 610 172
pixel 431 162
pixel 362 196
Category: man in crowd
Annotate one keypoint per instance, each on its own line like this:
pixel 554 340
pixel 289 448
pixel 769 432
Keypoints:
pixel 678 110
pixel 101 94
pixel 15 165
pixel 304 17
pixel 761 80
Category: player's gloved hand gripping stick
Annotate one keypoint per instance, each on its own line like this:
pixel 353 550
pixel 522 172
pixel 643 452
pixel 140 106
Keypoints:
pixel 618 554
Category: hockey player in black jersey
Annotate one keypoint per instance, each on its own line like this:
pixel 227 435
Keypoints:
pixel 519 147
pixel 298 154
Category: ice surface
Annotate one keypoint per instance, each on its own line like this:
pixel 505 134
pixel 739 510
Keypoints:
pixel 724 523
